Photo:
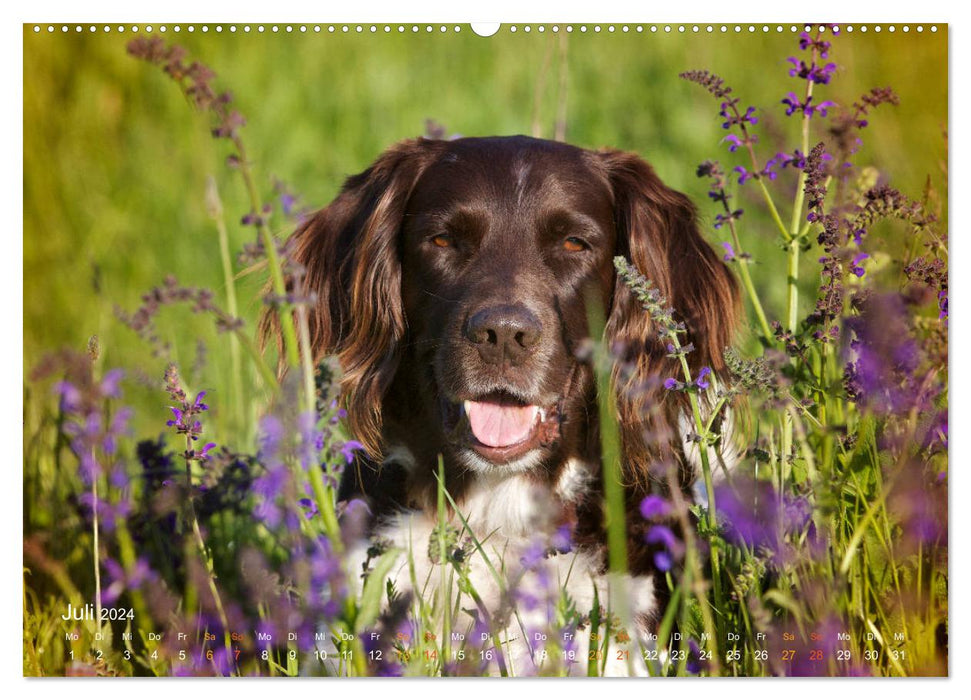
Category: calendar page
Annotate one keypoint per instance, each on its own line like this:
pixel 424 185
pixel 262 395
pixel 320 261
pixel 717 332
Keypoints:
pixel 507 350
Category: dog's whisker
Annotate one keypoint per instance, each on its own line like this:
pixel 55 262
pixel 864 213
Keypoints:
pixel 439 296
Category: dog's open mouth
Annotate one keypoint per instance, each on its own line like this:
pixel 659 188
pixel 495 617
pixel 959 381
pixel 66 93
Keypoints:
pixel 500 427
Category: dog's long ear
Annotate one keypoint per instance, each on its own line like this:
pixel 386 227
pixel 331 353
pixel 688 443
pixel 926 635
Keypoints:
pixel 658 233
pixel 350 257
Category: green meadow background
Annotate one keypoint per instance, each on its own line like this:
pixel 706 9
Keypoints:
pixel 116 161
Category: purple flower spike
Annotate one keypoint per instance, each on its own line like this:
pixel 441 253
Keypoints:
pixel 792 104
pixel 672 384
pixel 722 219
pixel 653 507
pixel 198 405
pixel 287 202
pixel 349 448
pixel 203 454
pixel 110 384
pixel 733 142
pixel 855 266
pixel 823 106
pixel 670 547
pixel 702 380
pixel 562 539
pixel 662 560
pixel 662 534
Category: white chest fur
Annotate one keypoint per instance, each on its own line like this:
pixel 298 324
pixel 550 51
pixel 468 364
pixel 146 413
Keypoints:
pixel 532 601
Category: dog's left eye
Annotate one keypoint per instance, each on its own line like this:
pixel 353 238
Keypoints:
pixel 442 241
pixel 574 244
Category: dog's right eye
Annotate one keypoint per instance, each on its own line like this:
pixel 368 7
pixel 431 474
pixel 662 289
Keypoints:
pixel 442 240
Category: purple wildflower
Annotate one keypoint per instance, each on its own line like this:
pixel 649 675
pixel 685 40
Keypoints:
pixel 822 107
pixel 743 174
pixel 184 414
pixel 109 512
pixel 654 507
pixel 92 439
pixel 794 104
pixel 755 516
pixel 270 436
pixel 768 171
pixel 663 535
pixel 695 663
pixel 722 219
pixel 254 219
pixel 562 539
pixel 111 384
pixel 919 505
pixel 855 266
pixel 287 202
pixel 807 41
pixel 885 358
pixel 729 111
pixel 812 72
pixel 203 454
pixel 267 488
pixel 670 548
pixel 663 561
pixel 796 159
pixel 119 580
pixel 349 448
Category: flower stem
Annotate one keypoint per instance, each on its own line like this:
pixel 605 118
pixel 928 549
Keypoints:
pixel 693 578
pixel 757 169
pixel 306 360
pixel 253 350
pixel 444 592
pixel 201 545
pixel 792 267
pixel 772 208
pixel 214 204
pixel 610 449
pixel 746 276
pixel 95 544
pixel 273 259
pixel 792 298
pixel 298 354
pixel 702 432
pixel 324 498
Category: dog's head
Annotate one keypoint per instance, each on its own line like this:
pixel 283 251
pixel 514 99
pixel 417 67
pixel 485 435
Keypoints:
pixel 453 280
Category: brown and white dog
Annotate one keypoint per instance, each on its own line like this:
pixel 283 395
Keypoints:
pixel 452 280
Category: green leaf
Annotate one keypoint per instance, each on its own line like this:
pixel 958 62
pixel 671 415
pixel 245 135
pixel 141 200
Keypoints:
pixel 374 587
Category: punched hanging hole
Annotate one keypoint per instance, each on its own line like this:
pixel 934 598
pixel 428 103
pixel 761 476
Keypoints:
pixel 485 28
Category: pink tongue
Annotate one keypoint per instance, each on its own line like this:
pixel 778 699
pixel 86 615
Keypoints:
pixel 496 425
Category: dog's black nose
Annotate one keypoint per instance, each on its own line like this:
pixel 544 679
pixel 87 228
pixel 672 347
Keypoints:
pixel 506 333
